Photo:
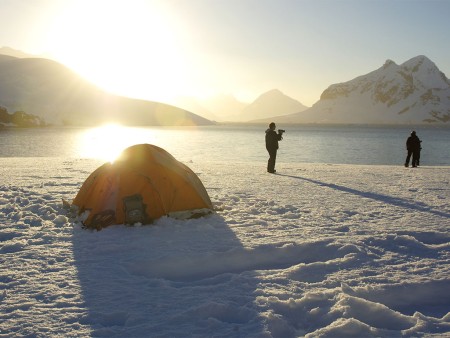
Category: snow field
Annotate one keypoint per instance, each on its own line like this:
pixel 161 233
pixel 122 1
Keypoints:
pixel 315 250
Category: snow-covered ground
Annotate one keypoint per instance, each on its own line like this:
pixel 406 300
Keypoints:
pixel 315 250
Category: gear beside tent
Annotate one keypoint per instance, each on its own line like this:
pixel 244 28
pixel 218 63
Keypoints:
pixel 143 184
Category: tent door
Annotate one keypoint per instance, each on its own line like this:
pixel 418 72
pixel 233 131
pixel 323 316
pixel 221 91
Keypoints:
pixel 134 209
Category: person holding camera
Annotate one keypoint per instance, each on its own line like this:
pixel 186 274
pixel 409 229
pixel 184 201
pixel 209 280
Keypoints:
pixel 272 138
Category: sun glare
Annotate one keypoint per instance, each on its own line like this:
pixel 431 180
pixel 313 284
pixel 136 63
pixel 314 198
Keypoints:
pixel 127 47
pixel 108 141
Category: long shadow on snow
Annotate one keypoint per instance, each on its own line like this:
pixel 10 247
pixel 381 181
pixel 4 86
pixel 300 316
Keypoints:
pixel 166 280
pixel 379 197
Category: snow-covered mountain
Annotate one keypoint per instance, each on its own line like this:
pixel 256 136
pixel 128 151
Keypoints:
pixel 413 92
pixel 270 104
pixel 53 92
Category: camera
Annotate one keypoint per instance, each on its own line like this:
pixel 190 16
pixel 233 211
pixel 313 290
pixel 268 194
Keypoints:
pixel 281 131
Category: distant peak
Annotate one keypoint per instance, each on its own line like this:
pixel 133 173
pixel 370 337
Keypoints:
pixel 420 58
pixel 418 61
pixel 273 92
pixel 388 63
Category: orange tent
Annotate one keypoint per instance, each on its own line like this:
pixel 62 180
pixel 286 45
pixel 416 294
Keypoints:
pixel 143 184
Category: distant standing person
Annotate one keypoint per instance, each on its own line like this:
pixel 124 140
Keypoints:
pixel 413 148
pixel 272 138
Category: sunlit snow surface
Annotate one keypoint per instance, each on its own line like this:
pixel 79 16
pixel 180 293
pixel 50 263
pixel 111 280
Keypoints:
pixel 315 250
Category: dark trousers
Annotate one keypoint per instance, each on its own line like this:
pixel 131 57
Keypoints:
pixel 272 159
pixel 415 158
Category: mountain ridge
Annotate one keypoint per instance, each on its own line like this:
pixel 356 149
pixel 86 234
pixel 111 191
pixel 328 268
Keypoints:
pixel 51 91
pixel 226 108
pixel 415 92
pixel 268 103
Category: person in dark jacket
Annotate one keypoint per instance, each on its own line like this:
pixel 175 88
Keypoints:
pixel 272 138
pixel 413 148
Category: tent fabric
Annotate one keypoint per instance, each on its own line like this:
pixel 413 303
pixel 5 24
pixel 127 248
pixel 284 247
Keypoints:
pixel 143 184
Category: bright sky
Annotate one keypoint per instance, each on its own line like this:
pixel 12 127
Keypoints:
pixel 161 49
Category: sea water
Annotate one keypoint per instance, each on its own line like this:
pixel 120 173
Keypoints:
pixel 371 145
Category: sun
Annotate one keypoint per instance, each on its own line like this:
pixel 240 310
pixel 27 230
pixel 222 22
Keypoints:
pixel 130 48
